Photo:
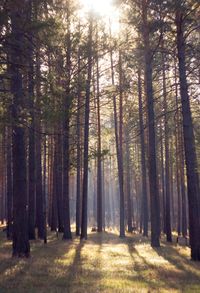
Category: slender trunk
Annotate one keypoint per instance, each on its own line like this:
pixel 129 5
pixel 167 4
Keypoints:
pixel 143 161
pixel 9 184
pixel 86 136
pixel 66 132
pixel 45 191
pixel 118 144
pixel 78 158
pixel 103 195
pixel 31 162
pixel 167 179
pixel 120 160
pixel 178 167
pixel 39 191
pixel 66 167
pixel 183 190
pixel 163 180
pixel 99 163
pixel 54 207
pixel 59 181
pixel 128 184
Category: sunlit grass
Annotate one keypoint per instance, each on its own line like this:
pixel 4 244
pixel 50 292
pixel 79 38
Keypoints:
pixel 103 263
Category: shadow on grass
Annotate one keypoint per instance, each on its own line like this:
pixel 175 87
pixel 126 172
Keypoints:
pixel 174 272
pixel 85 270
pixel 145 272
pixel 59 266
pixel 81 266
pixel 16 274
pixel 190 270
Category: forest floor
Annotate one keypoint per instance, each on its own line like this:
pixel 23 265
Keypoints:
pixel 103 263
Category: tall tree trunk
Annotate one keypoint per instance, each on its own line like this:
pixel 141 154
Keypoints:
pixel 167 177
pixel 31 161
pixel 154 194
pixel 39 190
pixel 189 144
pixel 59 180
pixel 9 183
pixel 45 190
pixel 163 180
pixel 86 135
pixel 120 159
pixel 143 161
pixel 128 183
pixel 117 143
pixel 78 158
pixel 66 132
pixel 66 168
pixel 183 188
pixel 178 160
pixel 54 202
pixel 21 245
pixel 99 163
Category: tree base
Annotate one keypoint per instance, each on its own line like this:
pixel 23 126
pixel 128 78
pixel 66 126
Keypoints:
pixel 155 243
pixel 67 236
pixel 195 254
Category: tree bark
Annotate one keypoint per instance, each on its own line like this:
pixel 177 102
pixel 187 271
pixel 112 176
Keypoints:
pixel 66 132
pixel 9 184
pixel 86 135
pixel 154 194
pixel 167 177
pixel 143 161
pixel 78 158
pixel 99 157
pixel 31 161
pixel 21 245
pixel 189 144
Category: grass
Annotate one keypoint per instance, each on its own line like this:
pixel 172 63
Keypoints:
pixel 103 263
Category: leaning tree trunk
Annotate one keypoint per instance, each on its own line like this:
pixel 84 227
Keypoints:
pixel 189 144
pixel 21 245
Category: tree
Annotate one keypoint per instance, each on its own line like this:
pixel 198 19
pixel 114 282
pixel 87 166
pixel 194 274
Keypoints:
pixel 189 140
pixel 99 155
pixel 143 160
pixel 21 245
pixel 154 195
pixel 86 131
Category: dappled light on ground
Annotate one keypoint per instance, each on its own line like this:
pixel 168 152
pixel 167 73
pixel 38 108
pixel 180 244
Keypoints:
pixel 103 263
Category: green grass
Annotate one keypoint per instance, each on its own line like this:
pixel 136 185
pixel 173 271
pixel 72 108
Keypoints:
pixel 103 263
